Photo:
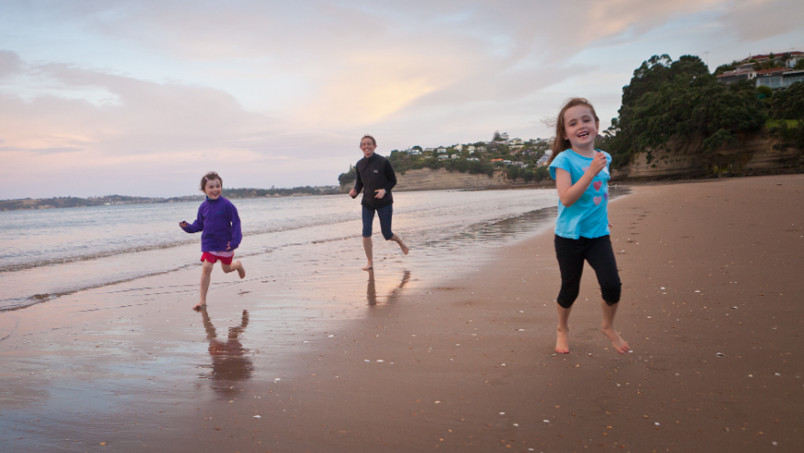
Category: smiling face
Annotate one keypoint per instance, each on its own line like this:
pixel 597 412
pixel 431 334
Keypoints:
pixel 580 127
pixel 367 145
pixel 213 189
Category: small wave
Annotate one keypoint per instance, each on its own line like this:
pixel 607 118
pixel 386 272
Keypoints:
pixel 24 302
pixel 91 256
pixel 430 225
pixel 143 248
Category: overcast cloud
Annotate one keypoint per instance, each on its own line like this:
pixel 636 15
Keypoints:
pixel 141 98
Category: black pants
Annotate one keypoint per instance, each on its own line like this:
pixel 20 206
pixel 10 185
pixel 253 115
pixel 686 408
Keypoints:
pixel 571 253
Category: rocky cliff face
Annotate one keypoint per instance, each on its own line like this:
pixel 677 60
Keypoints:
pixel 429 179
pixel 756 154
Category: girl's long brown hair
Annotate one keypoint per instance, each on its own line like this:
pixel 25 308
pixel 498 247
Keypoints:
pixel 559 142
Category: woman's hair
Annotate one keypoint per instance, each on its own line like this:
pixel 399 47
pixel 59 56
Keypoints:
pixel 209 177
pixel 559 142
pixel 372 139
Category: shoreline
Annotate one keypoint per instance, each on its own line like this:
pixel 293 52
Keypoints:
pixel 710 307
pixel 124 200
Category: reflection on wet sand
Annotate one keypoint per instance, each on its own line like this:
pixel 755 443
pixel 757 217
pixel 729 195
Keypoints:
pixel 371 289
pixel 230 361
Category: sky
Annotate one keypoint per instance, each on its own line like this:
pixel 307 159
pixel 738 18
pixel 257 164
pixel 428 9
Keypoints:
pixel 142 98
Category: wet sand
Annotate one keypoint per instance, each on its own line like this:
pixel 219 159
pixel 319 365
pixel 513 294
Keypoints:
pixel 711 308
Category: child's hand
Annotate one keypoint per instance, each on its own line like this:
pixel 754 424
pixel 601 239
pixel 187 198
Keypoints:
pixel 380 193
pixel 353 193
pixel 183 224
pixel 599 162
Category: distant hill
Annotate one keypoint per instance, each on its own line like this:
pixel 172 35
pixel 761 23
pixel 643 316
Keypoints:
pixel 108 200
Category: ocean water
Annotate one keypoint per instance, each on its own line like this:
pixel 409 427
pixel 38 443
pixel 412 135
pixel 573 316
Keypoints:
pixel 47 254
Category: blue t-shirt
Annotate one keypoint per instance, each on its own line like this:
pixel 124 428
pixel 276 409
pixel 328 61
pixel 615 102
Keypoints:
pixel 587 217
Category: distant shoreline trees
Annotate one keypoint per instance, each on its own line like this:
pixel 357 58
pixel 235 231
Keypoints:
pixel 111 200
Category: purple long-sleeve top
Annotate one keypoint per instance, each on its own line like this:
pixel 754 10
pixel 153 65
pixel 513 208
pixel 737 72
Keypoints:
pixel 220 225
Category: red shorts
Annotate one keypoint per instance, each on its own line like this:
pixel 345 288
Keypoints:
pixel 206 256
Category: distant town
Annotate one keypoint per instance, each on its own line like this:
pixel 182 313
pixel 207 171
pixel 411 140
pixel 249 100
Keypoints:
pixel 110 200
pixel 516 158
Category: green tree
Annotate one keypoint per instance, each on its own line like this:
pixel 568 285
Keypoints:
pixel 764 92
pixel 679 100
pixel 348 177
pixel 788 103
pixel 541 173
pixel 725 68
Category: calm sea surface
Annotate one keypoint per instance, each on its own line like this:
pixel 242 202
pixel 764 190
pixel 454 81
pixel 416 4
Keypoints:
pixel 50 253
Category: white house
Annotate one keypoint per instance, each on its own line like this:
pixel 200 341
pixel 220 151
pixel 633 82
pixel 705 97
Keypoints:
pixel 779 77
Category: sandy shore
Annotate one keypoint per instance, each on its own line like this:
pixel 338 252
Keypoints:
pixel 711 307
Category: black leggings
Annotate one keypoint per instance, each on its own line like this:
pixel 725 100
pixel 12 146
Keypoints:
pixel 571 254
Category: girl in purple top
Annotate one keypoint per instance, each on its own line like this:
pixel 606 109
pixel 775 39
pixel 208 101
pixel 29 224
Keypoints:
pixel 220 225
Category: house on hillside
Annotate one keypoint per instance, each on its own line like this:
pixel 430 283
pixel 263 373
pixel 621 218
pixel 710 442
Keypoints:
pixel 543 160
pixel 778 78
pixel 781 76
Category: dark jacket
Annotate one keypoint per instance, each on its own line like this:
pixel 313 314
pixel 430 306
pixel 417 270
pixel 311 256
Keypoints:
pixel 373 174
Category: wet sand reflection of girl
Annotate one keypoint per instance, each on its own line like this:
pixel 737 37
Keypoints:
pixel 230 361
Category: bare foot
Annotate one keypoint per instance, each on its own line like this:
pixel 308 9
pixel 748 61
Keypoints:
pixel 562 345
pixel 617 341
pixel 241 271
pixel 199 307
pixel 405 249
pixel 368 268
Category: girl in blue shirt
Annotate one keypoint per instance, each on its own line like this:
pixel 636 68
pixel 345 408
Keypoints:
pixel 581 173
pixel 220 225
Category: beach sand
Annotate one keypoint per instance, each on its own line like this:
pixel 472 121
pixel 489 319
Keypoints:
pixel 711 306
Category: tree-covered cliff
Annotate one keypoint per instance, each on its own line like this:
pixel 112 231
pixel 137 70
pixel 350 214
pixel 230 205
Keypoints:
pixel 678 106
